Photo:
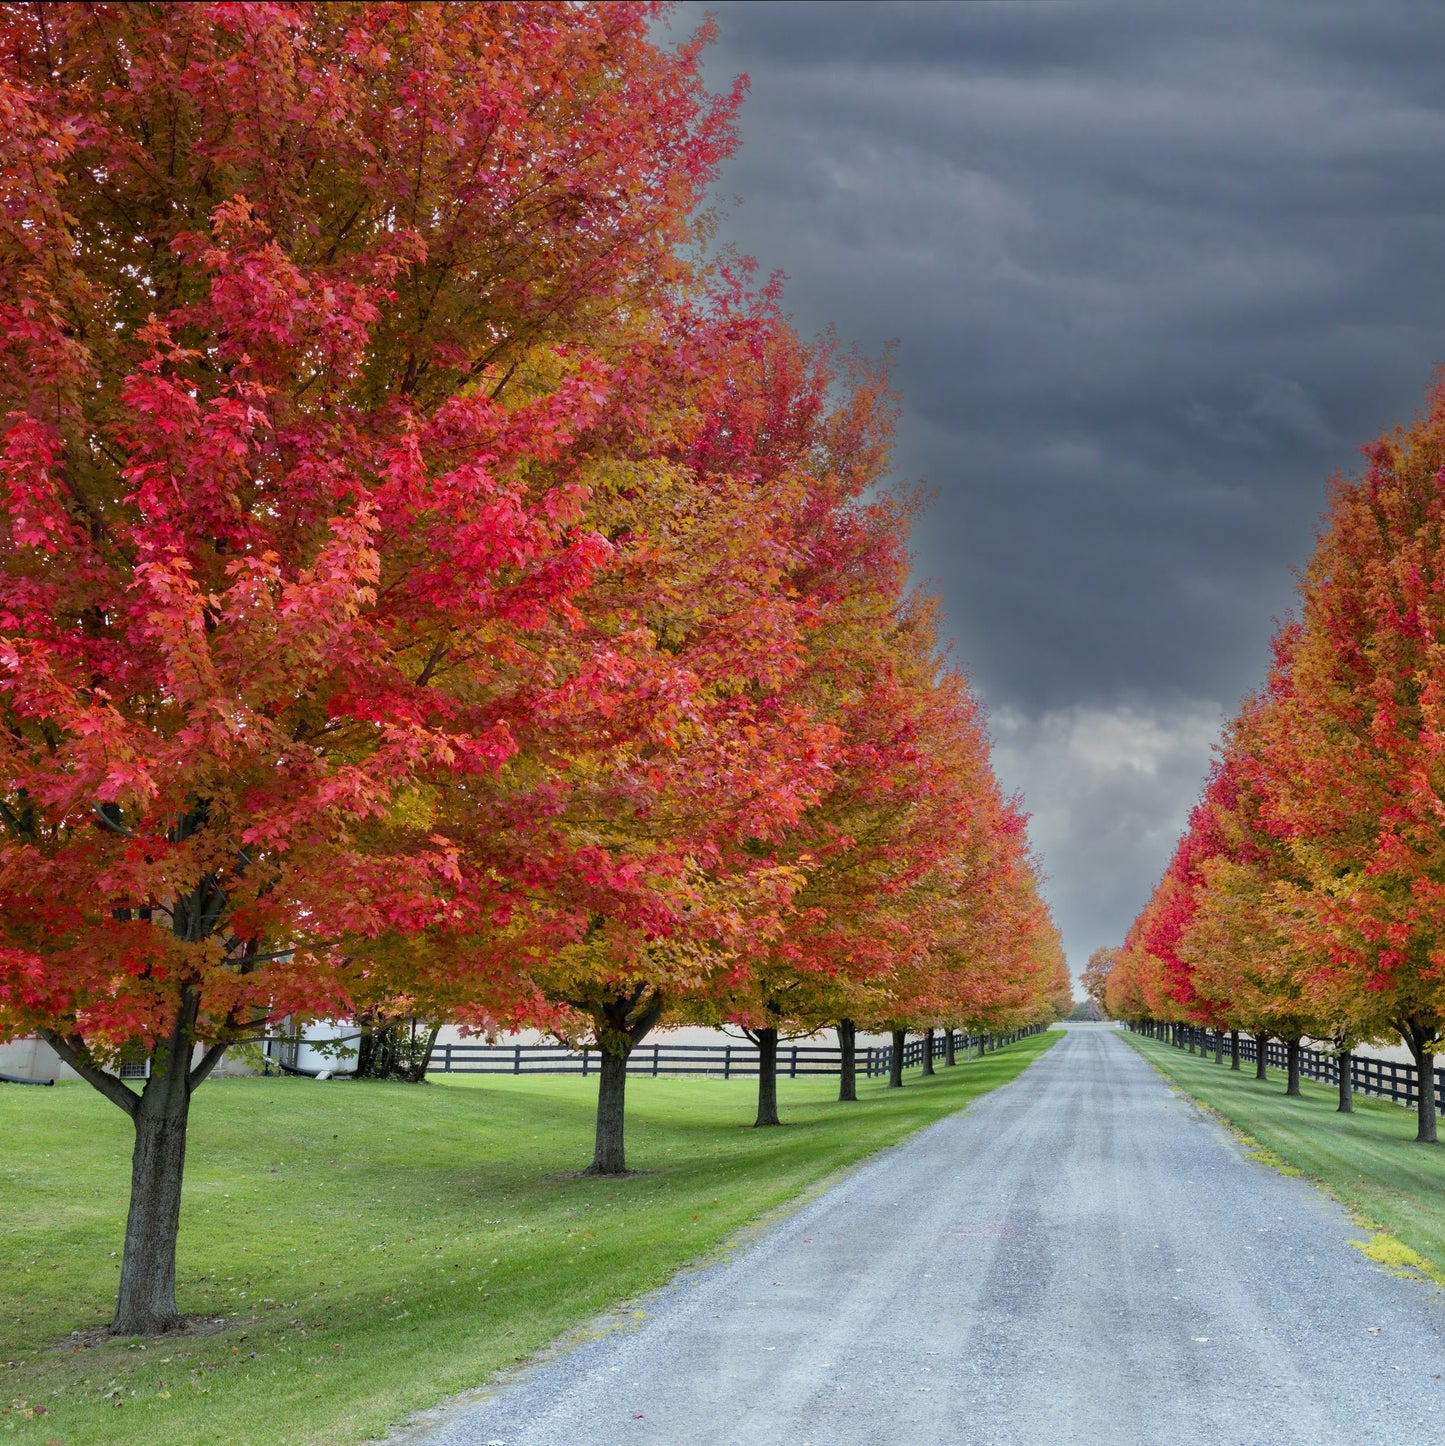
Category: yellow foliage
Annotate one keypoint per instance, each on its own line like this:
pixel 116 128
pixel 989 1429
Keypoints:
pixel 413 808
pixel 1397 1257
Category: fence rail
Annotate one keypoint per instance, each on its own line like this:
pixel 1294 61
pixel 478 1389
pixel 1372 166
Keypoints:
pixel 1385 1078
pixel 725 1061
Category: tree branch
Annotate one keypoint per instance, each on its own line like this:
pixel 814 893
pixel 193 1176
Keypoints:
pixel 437 654
pixel 207 1062
pixel 113 824
pixel 281 953
pixel 73 1051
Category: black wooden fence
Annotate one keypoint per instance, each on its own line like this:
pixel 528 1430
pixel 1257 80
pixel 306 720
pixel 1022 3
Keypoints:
pixel 1386 1078
pixel 725 1061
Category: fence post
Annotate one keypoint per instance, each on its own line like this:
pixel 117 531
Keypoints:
pixel 793 1067
pixel 446 1059
pixel 516 1059
pixel 728 1062
pixel 656 1053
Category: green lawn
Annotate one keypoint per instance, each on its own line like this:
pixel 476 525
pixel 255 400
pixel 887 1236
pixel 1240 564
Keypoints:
pixel 383 1246
pixel 1369 1159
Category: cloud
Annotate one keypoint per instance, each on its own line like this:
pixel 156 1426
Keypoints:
pixel 1108 790
pixel 1155 273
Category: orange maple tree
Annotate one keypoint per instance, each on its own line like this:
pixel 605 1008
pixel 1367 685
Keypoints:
pixel 1354 781
pixel 1315 904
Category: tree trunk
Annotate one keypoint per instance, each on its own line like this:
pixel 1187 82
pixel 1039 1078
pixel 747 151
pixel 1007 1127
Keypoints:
pixel 376 1049
pixel 622 1022
pixel 848 1069
pixel 1234 1049
pixel 1189 1033
pixel 949 1057
pixel 367 1052
pixel 1345 1062
pixel 928 1051
pixel 1261 1056
pixel 895 1060
pixel 146 1301
pixel 767 1043
pixel 1425 1113
pixel 609 1157
pixel 1422 1045
pixel 421 1058
pixel 1219 1046
pixel 1291 1050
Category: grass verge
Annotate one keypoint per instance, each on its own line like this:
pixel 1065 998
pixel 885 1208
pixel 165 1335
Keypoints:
pixel 382 1246
pixel 1369 1160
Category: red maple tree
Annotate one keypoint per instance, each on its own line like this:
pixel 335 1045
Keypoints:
pixel 1355 775
pixel 274 524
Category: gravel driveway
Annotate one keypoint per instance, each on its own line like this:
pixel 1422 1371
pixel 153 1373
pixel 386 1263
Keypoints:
pixel 1081 1256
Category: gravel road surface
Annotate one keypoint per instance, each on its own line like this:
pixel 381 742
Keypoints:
pixel 1081 1256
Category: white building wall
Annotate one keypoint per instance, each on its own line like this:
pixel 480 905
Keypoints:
pixel 31 1058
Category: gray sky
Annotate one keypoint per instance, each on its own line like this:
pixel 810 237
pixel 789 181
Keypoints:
pixel 1156 270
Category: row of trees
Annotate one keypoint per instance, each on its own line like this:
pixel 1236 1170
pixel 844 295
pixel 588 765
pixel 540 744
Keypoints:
pixel 1305 898
pixel 426 590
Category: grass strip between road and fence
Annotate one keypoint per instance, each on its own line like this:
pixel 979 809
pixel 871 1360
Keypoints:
pixel 378 1247
pixel 1369 1159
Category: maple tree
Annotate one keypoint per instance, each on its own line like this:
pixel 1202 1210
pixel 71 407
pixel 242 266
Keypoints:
pixel 792 649
pixel 1247 943
pixel 276 529
pixel 664 885
pixel 1316 909
pixel 896 782
pixel 778 418
pixel 1096 974
pixel 658 882
pixel 1211 934
pixel 1354 780
pixel 1139 988
pixel 848 849
pixel 914 913
pixel 628 839
pixel 416 597
pixel 852 922
pixel 1124 992
pixel 981 952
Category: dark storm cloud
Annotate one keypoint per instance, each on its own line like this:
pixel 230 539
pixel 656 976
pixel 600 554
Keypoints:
pixel 1155 270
